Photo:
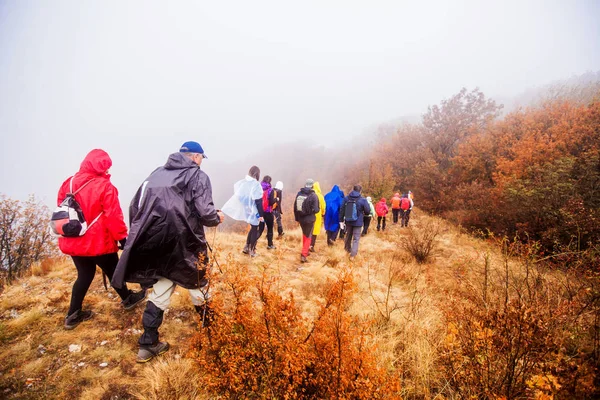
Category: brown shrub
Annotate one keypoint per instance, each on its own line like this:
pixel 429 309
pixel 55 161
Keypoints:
pixel 262 347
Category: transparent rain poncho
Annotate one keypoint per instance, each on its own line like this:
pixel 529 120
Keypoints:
pixel 241 206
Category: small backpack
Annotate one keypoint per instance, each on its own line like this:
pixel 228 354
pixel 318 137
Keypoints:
pixel 301 205
pixel 67 219
pixel 351 213
pixel 405 203
pixel 265 200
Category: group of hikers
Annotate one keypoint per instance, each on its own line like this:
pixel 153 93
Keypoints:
pixel 166 245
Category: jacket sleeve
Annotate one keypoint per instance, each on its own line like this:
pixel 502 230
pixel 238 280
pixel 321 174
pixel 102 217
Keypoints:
pixel 202 199
pixel 113 215
pixel 261 212
pixel 316 205
pixel 342 210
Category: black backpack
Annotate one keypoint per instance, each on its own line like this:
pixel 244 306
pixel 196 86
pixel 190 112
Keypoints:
pixel 67 219
pixel 350 212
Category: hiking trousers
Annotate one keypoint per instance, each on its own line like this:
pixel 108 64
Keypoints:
pixel 405 217
pixel 395 212
pixel 277 215
pixel 366 224
pixel 332 236
pixel 252 237
pixel 352 238
pixel 158 301
pixel 307 229
pixel 269 220
pixel 379 222
pixel 86 270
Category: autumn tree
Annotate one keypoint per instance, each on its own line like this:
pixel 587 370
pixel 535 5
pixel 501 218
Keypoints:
pixel 24 235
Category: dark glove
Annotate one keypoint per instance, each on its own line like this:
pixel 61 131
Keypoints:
pixel 121 244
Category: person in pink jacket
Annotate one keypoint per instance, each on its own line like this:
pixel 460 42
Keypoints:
pixel 381 209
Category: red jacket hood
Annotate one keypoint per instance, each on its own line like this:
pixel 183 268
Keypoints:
pixel 97 162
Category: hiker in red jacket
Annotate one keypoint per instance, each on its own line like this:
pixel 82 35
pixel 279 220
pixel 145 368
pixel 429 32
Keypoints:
pixel 395 200
pixel 381 209
pixel 99 201
pixel 406 206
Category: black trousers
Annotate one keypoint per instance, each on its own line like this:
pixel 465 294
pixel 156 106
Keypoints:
pixel 252 237
pixel 395 212
pixel 332 235
pixel 379 224
pixel 405 217
pixel 277 215
pixel 269 221
pixel 366 224
pixel 86 270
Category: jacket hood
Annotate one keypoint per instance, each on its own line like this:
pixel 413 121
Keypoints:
pixel 382 200
pixel 265 185
pixel 306 190
pixel 354 194
pixel 369 199
pixel 337 191
pixel 249 178
pixel 96 162
pixel 279 185
pixel 179 161
pixel 317 188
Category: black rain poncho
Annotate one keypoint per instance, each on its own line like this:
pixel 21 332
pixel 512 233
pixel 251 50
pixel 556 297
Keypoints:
pixel 167 215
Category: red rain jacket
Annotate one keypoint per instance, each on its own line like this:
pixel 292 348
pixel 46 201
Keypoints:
pixel 381 208
pixel 98 196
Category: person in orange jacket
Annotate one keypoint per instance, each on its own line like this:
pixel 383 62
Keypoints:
pixel 396 206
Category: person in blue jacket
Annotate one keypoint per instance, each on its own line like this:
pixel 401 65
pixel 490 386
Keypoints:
pixel 333 201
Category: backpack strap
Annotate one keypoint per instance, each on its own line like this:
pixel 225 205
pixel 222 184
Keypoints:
pixel 77 191
pixel 81 187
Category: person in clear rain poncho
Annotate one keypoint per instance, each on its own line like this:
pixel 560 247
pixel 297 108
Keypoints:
pixel 246 205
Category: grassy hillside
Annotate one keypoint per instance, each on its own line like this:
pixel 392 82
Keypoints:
pixel 411 307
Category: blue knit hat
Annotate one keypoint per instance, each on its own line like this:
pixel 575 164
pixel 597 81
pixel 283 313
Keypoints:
pixel 192 147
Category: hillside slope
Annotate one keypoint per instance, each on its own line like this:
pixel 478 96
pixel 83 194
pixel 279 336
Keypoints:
pixel 38 358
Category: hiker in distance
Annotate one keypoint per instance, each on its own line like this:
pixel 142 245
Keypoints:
pixel 268 199
pixel 395 200
pixel 306 206
pixel 333 202
pixel 246 205
pixel 319 216
pixel 382 210
pixel 277 210
pixel 167 246
pixel 406 206
pixel 106 233
pixel 368 218
pixel 352 213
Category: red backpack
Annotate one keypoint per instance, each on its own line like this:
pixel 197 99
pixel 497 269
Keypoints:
pixel 405 203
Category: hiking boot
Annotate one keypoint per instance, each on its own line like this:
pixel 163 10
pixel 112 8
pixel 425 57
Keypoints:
pixel 134 299
pixel 71 321
pixel 207 315
pixel 246 249
pixel 311 249
pixel 147 353
pixel 280 235
pixel 303 259
pixel 271 247
pixel 253 253
pixel 329 242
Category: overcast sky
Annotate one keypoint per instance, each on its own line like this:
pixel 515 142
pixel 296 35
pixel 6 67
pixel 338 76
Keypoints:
pixel 138 78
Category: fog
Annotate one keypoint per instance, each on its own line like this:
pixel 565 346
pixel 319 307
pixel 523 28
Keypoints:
pixel 139 78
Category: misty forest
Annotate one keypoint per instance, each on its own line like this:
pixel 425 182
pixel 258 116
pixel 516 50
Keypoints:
pixel 492 291
pixel 300 200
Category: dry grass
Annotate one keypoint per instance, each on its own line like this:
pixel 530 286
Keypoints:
pixel 35 360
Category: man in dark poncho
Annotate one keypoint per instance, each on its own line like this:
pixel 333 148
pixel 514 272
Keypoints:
pixel 166 246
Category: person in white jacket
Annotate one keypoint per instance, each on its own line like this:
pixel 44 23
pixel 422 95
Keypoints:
pixel 246 205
